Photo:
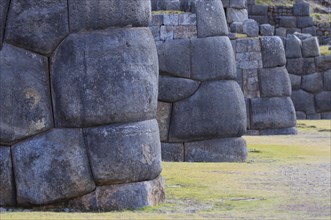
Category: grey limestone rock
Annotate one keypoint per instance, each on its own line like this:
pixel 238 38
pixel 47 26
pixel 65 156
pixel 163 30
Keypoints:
pixel 217 109
pixel 288 22
pixel 267 30
pixel 308 65
pixel 293 47
pixel 251 28
pixel 213 58
pixel 323 101
pixel 24 87
pixel 295 81
pixel 173 89
pixel 304 22
pixel 236 15
pixel 236 27
pixel 316 116
pixel 216 150
pixel 163 118
pixel 121 196
pixel 326 115
pixel 274 82
pixel 248 45
pixel 99 14
pixel 301 8
pixel 51 167
pixel 238 4
pixel 4 4
pixel 281 32
pixel 259 10
pixel 273 53
pixel 309 30
pixel 327 80
pixel 301 115
pixel 173 152
pixel 312 83
pixel 211 18
pixel 111 77
pixel 175 57
pixel 271 113
pixel 279 131
pixel 37 25
pixel 303 101
pixel 124 153
pixel 310 47
pixel 323 63
pixel 7 188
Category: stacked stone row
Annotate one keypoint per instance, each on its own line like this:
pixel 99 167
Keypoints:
pixel 266 85
pixel 310 76
pixel 287 20
pixel 201 110
pixel 236 10
pixel 78 85
pixel 323 31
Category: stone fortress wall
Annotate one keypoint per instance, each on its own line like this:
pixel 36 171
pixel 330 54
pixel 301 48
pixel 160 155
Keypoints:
pixel 201 109
pixel 79 86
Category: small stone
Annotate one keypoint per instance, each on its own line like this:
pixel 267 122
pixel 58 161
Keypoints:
pixel 251 28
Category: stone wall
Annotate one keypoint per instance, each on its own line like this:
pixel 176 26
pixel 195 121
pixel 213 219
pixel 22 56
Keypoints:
pixel 323 31
pixel 78 105
pixel 201 109
pixel 265 82
pixel 310 76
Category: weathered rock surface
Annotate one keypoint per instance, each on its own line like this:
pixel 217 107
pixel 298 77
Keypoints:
pixel 293 47
pixel 124 153
pixel 236 15
pixel 4 4
pixel 173 152
pixel 99 14
pixel 216 150
pixel 251 28
pixel 219 111
pixel 163 118
pixel 303 101
pixel 111 76
pixel 175 57
pixel 323 63
pixel 267 113
pixel 274 82
pixel 122 196
pixel 327 80
pixel 295 81
pixel 312 83
pixel 7 189
pixel 24 87
pixel 279 131
pixel 51 167
pixel 213 58
pixel 310 47
pixel 37 25
pixel 211 18
pixel 323 101
pixel 172 89
pixel 273 53
pixel 267 30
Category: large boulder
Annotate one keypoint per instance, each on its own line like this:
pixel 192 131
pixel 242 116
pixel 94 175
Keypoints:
pixel 293 47
pixel 236 15
pixel 100 14
pixel 7 188
pixel 273 53
pixel 111 76
pixel 323 101
pixel 217 109
pixel 52 167
pixel 251 28
pixel 124 153
pixel 37 25
pixel 211 18
pixel 213 58
pixel 4 4
pixel 312 83
pixel 310 47
pixel 25 101
pixel 303 101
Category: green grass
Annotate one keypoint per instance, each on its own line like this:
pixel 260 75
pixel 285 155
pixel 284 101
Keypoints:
pixel 285 177
pixel 325 50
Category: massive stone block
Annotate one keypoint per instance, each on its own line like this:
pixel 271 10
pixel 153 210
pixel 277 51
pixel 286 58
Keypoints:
pixel 312 83
pixel 216 150
pixel 56 163
pixel 37 25
pixel 293 47
pixel 111 76
pixel 100 14
pixel 310 47
pixel 251 28
pixel 24 87
pixel 173 152
pixel 274 82
pixel 236 15
pixel 213 58
pixel 211 18
pixel 7 188
pixel 4 4
pixel 303 101
pixel 219 111
pixel 273 53
pixel 295 81
pixel 172 89
pixel 277 112
pixel 124 153
pixel 323 101
pixel 163 118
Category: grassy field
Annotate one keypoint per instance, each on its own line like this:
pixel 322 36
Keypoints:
pixel 285 177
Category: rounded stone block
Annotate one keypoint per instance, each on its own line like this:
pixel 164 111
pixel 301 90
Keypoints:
pixel 310 47
pixel 173 89
pixel 7 188
pixel 293 47
pixel 104 77
pixel 124 153
pixel 236 15
pixel 327 80
pixel 51 167
pixel 173 152
pixel 216 150
pixel 273 53
pixel 251 28
pixel 37 25
pixel 323 101
pixel 121 196
pixel 213 58
pixel 312 83
pixel 211 20
pixel 295 82
pixel 217 109
pixel 303 101
pixel 24 87
pixel 100 14
pixel 274 82
pixel 270 113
